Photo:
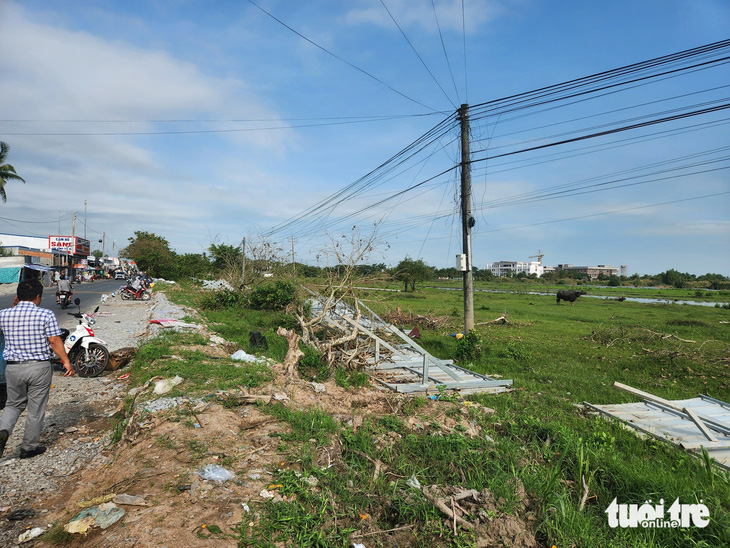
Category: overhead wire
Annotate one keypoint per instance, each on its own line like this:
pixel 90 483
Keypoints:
pixel 417 54
pixel 348 63
pixel 443 47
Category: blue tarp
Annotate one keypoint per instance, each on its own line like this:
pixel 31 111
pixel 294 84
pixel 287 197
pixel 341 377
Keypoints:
pixel 10 275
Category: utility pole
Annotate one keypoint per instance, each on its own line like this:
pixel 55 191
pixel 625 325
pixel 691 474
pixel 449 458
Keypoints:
pixel 73 226
pixel 293 262
pixel 467 221
pixel 84 218
pixel 243 259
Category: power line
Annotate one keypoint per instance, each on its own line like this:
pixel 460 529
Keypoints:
pixel 443 47
pixel 417 54
pixel 340 58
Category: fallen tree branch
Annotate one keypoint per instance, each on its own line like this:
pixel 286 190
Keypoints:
pixel 446 510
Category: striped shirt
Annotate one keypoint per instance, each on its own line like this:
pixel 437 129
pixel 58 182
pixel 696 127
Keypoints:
pixel 27 328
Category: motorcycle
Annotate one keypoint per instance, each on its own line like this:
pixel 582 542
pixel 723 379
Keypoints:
pixel 64 298
pixel 87 353
pixel 129 293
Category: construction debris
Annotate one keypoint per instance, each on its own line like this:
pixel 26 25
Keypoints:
pixel 693 424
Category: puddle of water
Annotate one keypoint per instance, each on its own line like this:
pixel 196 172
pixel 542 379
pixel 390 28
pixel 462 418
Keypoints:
pixel 632 299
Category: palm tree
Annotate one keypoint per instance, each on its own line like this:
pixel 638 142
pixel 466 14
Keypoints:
pixel 7 172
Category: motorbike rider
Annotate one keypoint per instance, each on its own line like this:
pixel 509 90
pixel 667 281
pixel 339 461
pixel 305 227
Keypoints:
pixel 134 284
pixel 63 285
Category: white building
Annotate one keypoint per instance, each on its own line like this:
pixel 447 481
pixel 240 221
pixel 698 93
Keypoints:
pixel 512 268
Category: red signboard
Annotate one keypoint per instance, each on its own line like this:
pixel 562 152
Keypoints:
pixel 70 244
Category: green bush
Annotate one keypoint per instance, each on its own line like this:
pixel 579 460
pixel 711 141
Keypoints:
pixel 226 298
pixel 469 347
pixel 272 296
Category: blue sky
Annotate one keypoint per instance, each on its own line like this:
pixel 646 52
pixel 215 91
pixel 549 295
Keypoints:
pixel 206 122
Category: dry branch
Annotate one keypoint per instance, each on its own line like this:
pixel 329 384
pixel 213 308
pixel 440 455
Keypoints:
pixel 441 505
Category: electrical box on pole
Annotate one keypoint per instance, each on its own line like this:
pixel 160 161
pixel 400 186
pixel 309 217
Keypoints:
pixel 461 262
pixel 467 221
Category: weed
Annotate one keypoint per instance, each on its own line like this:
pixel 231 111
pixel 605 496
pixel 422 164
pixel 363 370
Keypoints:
pixel 312 367
pixel 58 536
pixel 469 347
pixel 518 351
pixel 354 378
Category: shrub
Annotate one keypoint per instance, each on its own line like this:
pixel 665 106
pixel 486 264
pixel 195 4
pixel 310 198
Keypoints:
pixel 272 296
pixel 226 298
pixel 469 347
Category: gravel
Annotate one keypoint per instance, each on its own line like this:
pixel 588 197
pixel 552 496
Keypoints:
pixel 74 430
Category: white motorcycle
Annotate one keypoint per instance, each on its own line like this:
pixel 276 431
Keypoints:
pixel 88 354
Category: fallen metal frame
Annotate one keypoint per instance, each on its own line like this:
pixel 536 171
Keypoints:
pixel 696 424
pixel 407 367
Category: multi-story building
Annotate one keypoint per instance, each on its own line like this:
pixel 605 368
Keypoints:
pixel 512 268
pixel 592 271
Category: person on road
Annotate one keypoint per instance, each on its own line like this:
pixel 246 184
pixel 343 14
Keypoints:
pixel 31 335
pixel 63 285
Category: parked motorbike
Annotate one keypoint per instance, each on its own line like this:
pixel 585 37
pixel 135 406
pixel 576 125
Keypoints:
pixel 64 299
pixel 129 293
pixel 88 354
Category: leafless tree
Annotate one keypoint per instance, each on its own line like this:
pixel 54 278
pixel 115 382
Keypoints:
pixel 339 260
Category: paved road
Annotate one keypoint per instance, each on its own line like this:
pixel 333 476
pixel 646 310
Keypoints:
pixel 89 293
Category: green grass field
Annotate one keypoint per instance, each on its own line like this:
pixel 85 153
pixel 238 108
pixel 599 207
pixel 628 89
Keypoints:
pixel 558 356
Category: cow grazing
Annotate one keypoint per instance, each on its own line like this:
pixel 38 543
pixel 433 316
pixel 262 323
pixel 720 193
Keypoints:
pixel 569 295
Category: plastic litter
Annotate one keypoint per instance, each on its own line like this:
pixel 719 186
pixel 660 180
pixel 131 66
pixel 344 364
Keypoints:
pixel 30 535
pixel 130 500
pixel 413 482
pixel 21 514
pixel 244 357
pixel 163 386
pixel 318 387
pixel 103 516
pixel 264 494
pixel 216 473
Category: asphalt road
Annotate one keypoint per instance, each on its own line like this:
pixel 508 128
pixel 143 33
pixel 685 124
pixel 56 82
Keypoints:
pixel 89 292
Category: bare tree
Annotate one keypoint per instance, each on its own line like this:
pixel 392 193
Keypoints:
pixel 339 260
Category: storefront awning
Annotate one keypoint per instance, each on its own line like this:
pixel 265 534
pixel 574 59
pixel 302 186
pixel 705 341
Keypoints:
pixel 40 267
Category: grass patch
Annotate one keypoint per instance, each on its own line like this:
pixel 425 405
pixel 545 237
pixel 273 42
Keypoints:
pixel 535 437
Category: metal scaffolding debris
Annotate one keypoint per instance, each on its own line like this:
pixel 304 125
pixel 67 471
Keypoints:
pixel 399 363
pixel 693 424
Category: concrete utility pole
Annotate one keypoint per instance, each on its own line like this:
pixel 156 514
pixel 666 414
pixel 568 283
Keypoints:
pixel 293 262
pixel 84 218
pixel 73 226
pixel 467 221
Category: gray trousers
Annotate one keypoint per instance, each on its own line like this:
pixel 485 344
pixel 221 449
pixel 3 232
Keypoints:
pixel 29 384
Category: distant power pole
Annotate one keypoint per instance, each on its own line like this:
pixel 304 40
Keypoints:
pixel 293 262
pixel 467 221
pixel 243 259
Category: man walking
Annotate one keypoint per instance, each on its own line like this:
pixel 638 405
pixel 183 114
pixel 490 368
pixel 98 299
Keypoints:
pixel 31 334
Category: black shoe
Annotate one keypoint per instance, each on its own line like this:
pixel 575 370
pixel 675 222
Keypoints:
pixel 3 440
pixel 33 452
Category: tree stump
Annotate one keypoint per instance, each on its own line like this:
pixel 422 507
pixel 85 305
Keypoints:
pixel 293 355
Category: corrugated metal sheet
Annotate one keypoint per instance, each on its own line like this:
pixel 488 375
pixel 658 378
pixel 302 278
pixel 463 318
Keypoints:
pixel 670 425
